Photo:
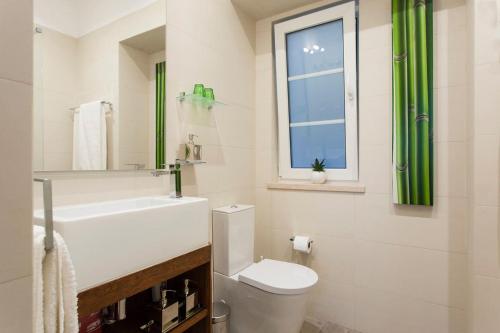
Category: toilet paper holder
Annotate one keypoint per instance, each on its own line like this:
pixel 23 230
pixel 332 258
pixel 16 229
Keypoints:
pixel 293 238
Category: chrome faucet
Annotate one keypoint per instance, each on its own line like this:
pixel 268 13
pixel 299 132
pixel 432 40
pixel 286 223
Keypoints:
pixel 174 170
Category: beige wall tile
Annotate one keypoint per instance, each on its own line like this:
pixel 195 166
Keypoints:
pixel 442 228
pixel 486 241
pixel 450 169
pixel 486 173
pixel 333 259
pixel 486 304
pixel 15 305
pixel 486 22
pixel 375 120
pixel 375 72
pixel 16 24
pixel 409 262
pixel 451 108
pixel 334 301
pixel 381 312
pixel 15 192
pixel 487 98
pixel 375 168
pixel 450 58
pixel 433 276
pixel 16 177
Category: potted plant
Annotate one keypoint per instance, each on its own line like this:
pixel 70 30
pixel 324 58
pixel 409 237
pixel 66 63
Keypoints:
pixel 318 175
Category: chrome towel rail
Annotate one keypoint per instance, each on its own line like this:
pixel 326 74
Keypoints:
pixel 76 108
pixel 48 213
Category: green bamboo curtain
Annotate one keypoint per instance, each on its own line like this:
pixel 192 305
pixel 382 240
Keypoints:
pixel 412 38
pixel 160 115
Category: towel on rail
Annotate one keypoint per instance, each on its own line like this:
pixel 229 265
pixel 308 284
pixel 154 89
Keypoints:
pixel 54 286
pixel 89 137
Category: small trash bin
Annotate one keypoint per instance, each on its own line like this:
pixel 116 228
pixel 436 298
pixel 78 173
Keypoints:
pixel 220 317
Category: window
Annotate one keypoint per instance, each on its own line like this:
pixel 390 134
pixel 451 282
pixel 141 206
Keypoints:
pixel 317 93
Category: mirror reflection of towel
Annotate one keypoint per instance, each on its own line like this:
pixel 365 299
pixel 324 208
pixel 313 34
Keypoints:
pixel 89 137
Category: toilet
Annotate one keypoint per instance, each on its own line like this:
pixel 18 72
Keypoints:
pixel 265 297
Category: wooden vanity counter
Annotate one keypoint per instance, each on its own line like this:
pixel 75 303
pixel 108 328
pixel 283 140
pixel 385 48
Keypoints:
pixel 195 265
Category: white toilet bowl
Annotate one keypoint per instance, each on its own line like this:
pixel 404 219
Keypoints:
pixel 264 297
pixel 269 296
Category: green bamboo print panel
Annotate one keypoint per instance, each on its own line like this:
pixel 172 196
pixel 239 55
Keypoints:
pixel 160 115
pixel 412 102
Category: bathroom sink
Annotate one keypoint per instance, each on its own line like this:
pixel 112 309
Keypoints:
pixel 111 239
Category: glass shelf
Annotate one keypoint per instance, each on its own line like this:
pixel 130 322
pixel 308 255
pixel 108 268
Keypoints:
pixel 189 162
pixel 198 100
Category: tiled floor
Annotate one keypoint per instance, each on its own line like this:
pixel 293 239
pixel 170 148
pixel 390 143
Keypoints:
pixel 326 328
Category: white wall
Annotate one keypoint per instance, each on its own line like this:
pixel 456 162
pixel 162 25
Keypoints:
pixel 484 146
pixel 94 14
pixel 135 97
pixel 79 17
pixel 211 42
pixel 15 179
pixel 383 268
pixel 59 15
pixel 55 92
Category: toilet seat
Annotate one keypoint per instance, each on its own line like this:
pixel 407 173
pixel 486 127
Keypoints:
pixel 279 277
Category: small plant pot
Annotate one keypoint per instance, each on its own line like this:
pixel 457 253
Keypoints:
pixel 318 177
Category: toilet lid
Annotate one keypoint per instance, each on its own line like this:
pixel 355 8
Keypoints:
pixel 279 277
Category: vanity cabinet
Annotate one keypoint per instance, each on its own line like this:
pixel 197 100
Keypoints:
pixel 195 265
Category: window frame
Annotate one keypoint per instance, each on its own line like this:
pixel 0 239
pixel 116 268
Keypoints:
pixel 346 12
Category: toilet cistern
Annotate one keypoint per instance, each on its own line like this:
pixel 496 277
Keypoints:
pixel 267 296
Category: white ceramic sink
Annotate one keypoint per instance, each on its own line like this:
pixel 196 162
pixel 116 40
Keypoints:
pixel 111 239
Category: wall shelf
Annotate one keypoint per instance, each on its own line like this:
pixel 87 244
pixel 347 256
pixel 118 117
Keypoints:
pixel 189 162
pixel 131 325
pixel 198 101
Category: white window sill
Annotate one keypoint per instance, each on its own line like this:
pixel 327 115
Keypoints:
pixel 350 187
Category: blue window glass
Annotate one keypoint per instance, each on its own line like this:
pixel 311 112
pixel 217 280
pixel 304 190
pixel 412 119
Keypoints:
pixel 323 142
pixel 315 49
pixel 315 61
pixel 317 98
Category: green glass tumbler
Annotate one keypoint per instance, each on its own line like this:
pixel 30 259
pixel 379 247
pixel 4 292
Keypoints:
pixel 209 94
pixel 199 89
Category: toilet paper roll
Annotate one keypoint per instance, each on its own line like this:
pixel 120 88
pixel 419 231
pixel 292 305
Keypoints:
pixel 302 244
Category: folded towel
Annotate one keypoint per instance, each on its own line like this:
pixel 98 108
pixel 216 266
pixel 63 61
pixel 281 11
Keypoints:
pixel 38 258
pixel 54 284
pixel 89 137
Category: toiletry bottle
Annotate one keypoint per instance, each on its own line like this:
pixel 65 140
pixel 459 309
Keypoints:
pixel 191 294
pixel 166 313
pixel 190 147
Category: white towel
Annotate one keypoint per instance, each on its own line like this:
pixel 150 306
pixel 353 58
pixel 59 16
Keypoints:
pixel 54 286
pixel 89 137
pixel 38 258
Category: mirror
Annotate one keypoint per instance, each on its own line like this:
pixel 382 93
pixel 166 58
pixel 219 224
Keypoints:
pixel 99 85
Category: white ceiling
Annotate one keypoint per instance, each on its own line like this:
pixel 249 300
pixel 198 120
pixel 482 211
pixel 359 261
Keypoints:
pixel 259 9
pixel 150 41
pixel 79 17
